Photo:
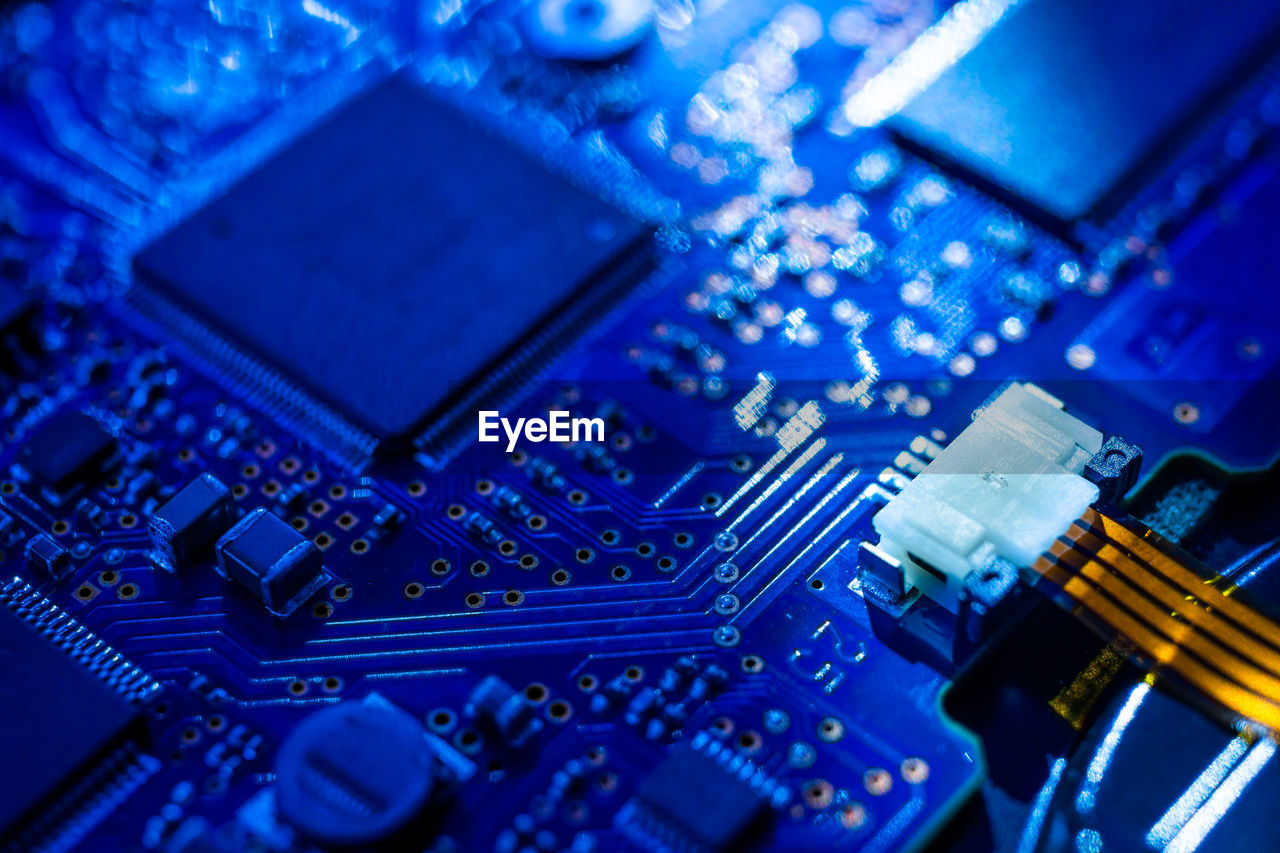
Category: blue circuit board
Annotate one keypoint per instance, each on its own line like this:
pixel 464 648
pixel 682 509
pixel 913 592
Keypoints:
pixel 263 265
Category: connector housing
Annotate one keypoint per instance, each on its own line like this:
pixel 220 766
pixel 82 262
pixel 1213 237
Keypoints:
pixel 1007 486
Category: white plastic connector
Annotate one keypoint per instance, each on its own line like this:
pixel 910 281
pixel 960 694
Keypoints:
pixel 1007 486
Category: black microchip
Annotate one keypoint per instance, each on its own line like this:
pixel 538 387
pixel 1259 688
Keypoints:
pixel 694 795
pixel 393 255
pixel 55 719
pixel 68 450
pixel 1067 104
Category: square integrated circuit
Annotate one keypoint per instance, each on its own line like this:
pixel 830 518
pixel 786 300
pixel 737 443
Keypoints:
pixel 396 256
pixel 1067 103
pixel 56 719
pixel 692 797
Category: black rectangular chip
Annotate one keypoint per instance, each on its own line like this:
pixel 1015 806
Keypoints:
pixel 696 797
pixel 69 450
pixel 190 522
pixel 56 718
pixel 268 557
pixel 394 256
pixel 1067 103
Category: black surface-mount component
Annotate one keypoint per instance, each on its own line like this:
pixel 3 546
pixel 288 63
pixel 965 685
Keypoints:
pixel 68 451
pixel 48 556
pixel 481 528
pixel 1066 139
pixel 57 720
pixel 276 563
pixel 513 502
pixel 90 512
pixel 546 474
pixel 1114 468
pixel 693 800
pixel 501 707
pixel 384 521
pixel 354 773
pixel 294 495
pixel 186 527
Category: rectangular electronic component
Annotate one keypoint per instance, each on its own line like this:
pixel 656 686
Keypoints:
pixel 692 797
pixel 1067 102
pixel 269 558
pixel 49 556
pixel 1007 486
pixel 56 717
pixel 67 451
pixel 190 522
pixel 395 256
